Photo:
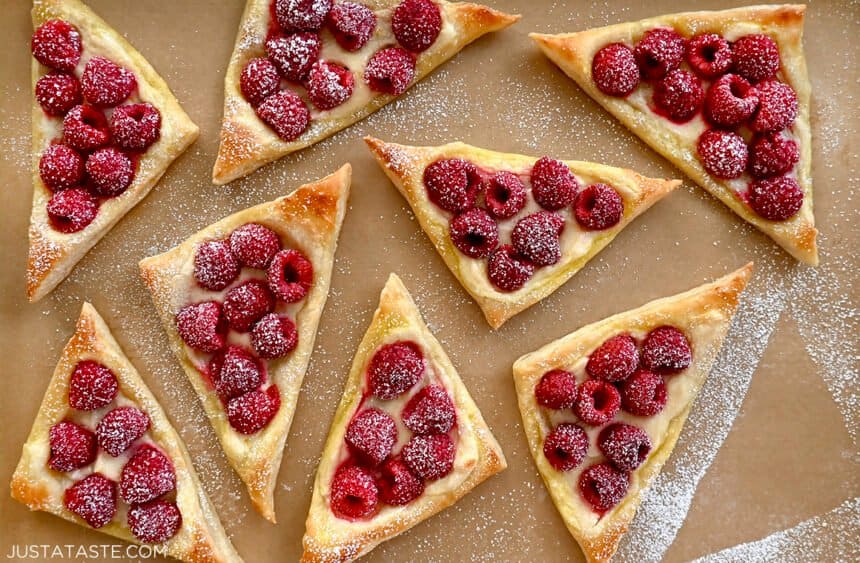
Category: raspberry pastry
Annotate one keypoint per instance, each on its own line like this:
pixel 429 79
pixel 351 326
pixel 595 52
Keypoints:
pixel 513 228
pixel 105 128
pixel 723 95
pixel 407 441
pixel 240 302
pixel 303 70
pixel 603 407
pixel 103 454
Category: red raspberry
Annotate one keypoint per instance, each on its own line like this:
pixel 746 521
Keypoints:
pixel 565 447
pixel 536 237
pixel 329 85
pixel 351 24
pixel 259 80
pixel 61 167
pixel 679 95
pixel 429 457
pixel 776 199
pixel 603 486
pixel 290 276
pixel 85 128
pixel 597 402
pixel 371 436
pixel 215 266
pixel 659 51
pixel 730 101
pixel 202 326
pixel 430 411
pixel 119 428
pixel 93 498
pixel 625 445
pixel 254 245
pixel 253 411
pixel 294 54
pixel 91 386
pixel 416 24
pixel 397 485
pixel 246 304
pixel 453 184
pixel 72 210
pixel 110 171
pixel 556 390
pixel 598 207
pixel 666 350
pixel 235 372
pixel 553 184
pixel 394 369
pixel 756 57
pixel 154 522
pixel 274 336
pixel 105 84
pixel 507 270
pixel 772 154
pixel 307 15
pixel 505 195
pixel 777 107
pixel 57 44
pixel 57 93
pixel 135 127
pixel 72 446
pixel 474 233
pixel 390 71
pixel 709 55
pixel 353 492
pixel 146 476
pixel 723 153
pixel 614 360
pixel 614 70
pixel 286 113
pixel 643 393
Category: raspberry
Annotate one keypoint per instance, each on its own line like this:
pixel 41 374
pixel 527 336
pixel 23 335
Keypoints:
pixel 371 436
pixel 254 245
pixel 307 15
pixel 394 369
pixel 536 237
pixel 61 167
pixel 93 498
pixel 215 266
pixel 772 154
pixel 286 113
pixel 246 304
pixel 353 492
pixel 135 127
pixel 556 390
pixel 397 485
pixel 777 107
pixel 643 393
pixel 85 128
pixel 274 336
pixel 565 447
pixel 105 84
pixel 416 24
pixel 730 101
pixel 146 476
pixel 507 270
pixel 429 457
pixel 430 411
pixel 91 386
pixel 614 360
pixel 709 55
pixel 614 70
pixel 775 199
pixel 756 57
pixel 235 372
pixel 259 80
pixel 598 207
pixel 474 233
pixel 351 24
pixel 659 51
pixel 505 195
pixel 154 522
pixel 453 184
pixel 119 428
pixel 72 446
pixel 290 276
pixel 390 71
pixel 253 411
pixel 679 95
pixel 57 93
pixel 625 445
pixel 110 170
pixel 72 210
pixel 597 402
pixel 553 184
pixel 202 326
pixel 329 85
pixel 293 55
pixel 57 44
pixel 723 153
pixel 666 350
pixel 603 486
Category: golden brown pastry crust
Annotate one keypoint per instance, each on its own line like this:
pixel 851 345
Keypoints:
pixel 309 219
pixel 201 538
pixel 53 254
pixel 573 53
pixel 247 143
pixel 330 539
pixel 708 307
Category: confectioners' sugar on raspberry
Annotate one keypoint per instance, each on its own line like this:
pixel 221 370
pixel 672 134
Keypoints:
pixel 202 326
pixel 215 266
pixel 105 84
pixel 294 54
pixel 329 85
pixel 259 80
pixel 119 428
pixel 598 207
pixel 730 101
pixel 247 303
pixel 556 390
pixel 72 210
pixel 91 386
pixel 397 485
pixel 772 154
pixel 643 393
pixel 57 44
pixel 453 184
pixel 352 24
pixel 251 412
pixel 756 57
pixel 235 372
pixel 353 493
pixel 723 154
pixel 429 457
pixel 308 15
pixel 624 445
pixel 597 402
pixel 603 486
pixel 666 350
pixel 777 107
pixel 614 360
pixel 58 92
pixel 390 71
pixel 776 199
pixel 614 70
pixel 148 475
pixel 416 24
pixel 290 275
pixel 154 522
pixel 536 237
pixel 660 51
pixel 135 127
pixel 371 435
pixel 254 245
pixel 507 270
pixel 553 184
pixel 505 195
pixel 61 167
pixel 286 113
pixel 474 233
pixel 93 498
pixel 394 369
pixel 72 446
pixel 430 411
pixel 566 446
pixel 709 55
pixel 679 95
pixel 274 336
pixel 110 171
pixel 85 128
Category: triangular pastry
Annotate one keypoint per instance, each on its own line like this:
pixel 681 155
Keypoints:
pixel 240 302
pixel 301 71
pixel 513 228
pixel 723 95
pixel 105 128
pixel 103 454
pixel 603 406
pixel 406 442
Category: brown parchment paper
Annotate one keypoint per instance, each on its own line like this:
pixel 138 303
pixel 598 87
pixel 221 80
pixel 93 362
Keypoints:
pixel 791 453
